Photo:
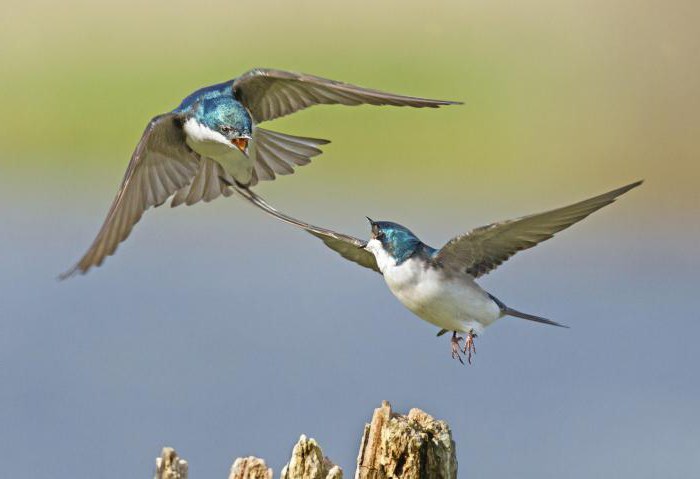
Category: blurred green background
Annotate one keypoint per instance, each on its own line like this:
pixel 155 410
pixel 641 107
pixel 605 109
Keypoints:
pixel 557 93
pixel 255 325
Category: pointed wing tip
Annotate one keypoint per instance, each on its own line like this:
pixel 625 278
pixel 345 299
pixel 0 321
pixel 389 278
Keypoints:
pixel 74 271
pixel 614 194
pixel 632 185
pixel 439 103
pixel 79 269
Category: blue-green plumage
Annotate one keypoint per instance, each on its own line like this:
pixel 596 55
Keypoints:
pixel 211 91
pixel 224 111
pixel 399 241
pixel 215 107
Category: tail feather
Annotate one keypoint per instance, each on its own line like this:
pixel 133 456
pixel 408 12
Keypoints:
pixel 530 317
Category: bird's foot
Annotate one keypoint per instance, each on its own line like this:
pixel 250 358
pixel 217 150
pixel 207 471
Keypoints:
pixel 469 347
pixel 456 348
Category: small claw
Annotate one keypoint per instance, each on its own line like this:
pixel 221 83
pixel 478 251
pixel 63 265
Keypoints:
pixel 454 341
pixel 469 346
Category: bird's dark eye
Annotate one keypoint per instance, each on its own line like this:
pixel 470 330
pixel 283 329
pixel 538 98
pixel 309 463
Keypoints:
pixel 225 129
pixel 379 235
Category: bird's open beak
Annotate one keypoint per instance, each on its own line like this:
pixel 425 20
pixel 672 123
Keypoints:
pixel 241 144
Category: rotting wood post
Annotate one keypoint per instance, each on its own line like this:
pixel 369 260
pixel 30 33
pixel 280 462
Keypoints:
pixel 414 446
pixel 250 468
pixel 170 466
pixel 308 462
pixel 393 446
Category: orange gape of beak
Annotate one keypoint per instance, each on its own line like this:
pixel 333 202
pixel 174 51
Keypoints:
pixel 240 143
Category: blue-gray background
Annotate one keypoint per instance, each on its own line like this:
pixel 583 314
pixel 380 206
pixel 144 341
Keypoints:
pixel 223 333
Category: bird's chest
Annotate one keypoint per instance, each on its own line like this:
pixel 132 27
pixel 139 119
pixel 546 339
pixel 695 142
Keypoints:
pixel 205 143
pixel 453 303
pixel 415 284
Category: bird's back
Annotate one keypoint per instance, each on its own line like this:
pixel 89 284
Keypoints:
pixel 206 93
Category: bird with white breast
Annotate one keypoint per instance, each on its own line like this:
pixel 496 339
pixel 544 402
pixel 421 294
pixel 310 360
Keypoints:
pixel 439 285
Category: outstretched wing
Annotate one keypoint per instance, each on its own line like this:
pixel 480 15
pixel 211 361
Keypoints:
pixel 270 94
pixel 161 165
pixel 348 247
pixel 483 249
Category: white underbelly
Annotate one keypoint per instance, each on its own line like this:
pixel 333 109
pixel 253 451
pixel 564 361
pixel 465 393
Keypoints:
pixel 456 304
pixel 239 166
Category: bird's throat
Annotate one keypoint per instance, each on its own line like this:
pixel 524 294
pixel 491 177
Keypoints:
pixel 210 144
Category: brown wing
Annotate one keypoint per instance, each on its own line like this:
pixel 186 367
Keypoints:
pixel 483 249
pixel 161 165
pixel 270 94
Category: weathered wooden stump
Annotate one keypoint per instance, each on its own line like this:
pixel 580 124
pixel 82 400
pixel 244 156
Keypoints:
pixel 170 466
pixel 407 447
pixel 250 468
pixel 393 446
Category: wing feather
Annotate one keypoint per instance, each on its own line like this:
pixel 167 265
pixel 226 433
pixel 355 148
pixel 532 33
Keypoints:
pixel 270 94
pixel 151 177
pixel 483 249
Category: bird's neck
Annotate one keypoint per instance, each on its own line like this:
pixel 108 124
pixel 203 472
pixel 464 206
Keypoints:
pixel 397 254
pixel 385 261
pixel 199 133
pixel 403 251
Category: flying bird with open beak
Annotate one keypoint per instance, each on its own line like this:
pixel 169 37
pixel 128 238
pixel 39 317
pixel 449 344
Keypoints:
pixel 212 140
pixel 439 285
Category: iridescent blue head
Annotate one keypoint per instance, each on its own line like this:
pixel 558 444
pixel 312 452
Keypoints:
pixel 218 119
pixel 225 115
pixel 398 241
